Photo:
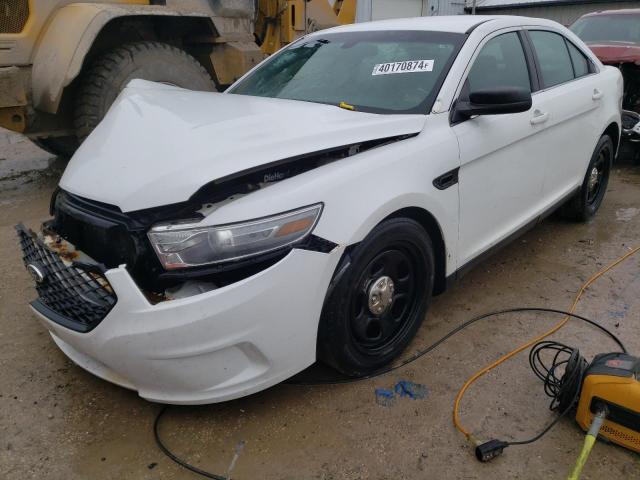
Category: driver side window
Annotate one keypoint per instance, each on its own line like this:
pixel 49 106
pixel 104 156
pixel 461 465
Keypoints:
pixel 500 63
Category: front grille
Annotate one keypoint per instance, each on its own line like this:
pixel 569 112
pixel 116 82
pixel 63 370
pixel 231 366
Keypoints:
pixel 13 15
pixel 98 231
pixel 108 236
pixel 76 296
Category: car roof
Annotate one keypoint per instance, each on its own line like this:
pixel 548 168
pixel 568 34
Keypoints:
pixel 451 23
pixel 623 11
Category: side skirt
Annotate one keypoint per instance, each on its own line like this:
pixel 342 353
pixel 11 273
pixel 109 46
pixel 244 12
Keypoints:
pixel 471 264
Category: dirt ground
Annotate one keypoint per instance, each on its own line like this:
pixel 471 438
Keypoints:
pixel 59 422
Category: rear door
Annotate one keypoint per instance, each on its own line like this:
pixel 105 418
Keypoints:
pixel 501 171
pixel 566 112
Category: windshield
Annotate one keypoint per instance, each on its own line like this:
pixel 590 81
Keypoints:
pixel 608 28
pixel 379 72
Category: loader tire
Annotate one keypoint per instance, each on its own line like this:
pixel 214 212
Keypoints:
pixel 101 83
pixel 62 147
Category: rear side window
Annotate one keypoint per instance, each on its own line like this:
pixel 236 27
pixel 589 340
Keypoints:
pixel 500 63
pixel 580 62
pixel 553 57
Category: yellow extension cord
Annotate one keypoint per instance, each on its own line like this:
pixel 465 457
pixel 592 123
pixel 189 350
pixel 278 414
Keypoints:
pixel 504 358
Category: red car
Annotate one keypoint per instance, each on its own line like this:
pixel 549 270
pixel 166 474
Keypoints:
pixel 614 36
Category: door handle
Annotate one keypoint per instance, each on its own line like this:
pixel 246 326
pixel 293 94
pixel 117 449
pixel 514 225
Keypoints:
pixel 597 94
pixel 539 117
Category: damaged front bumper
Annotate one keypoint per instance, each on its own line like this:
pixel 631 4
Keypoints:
pixel 206 347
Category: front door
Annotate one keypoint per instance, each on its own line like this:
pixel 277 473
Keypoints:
pixel 501 174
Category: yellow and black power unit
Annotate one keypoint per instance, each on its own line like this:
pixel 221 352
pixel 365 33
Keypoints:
pixel 611 385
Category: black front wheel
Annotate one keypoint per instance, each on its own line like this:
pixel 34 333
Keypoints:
pixel 588 199
pixel 378 304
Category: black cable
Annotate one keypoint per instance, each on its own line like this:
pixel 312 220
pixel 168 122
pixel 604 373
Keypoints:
pixel 552 384
pixel 173 456
pixel 433 346
pixel 560 389
pixel 564 391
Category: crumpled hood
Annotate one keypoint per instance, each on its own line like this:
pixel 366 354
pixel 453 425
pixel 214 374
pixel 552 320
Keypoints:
pixel 159 144
pixel 614 53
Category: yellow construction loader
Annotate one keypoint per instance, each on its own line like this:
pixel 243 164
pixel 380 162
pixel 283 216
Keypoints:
pixel 63 62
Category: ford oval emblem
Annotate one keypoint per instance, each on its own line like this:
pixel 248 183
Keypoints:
pixel 36 273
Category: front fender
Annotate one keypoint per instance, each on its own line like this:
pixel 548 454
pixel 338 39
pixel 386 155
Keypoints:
pixel 360 191
pixel 68 38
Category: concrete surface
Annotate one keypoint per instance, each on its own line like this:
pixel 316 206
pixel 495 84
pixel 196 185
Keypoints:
pixel 58 422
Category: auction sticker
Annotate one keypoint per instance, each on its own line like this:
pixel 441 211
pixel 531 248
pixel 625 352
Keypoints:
pixel 410 66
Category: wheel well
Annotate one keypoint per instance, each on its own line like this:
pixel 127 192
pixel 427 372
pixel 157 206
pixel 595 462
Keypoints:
pixel 614 132
pixel 177 31
pixel 430 224
pixel 182 32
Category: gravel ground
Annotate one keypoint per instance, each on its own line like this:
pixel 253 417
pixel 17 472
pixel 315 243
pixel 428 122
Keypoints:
pixel 59 422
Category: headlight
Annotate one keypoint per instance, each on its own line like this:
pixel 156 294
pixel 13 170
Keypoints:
pixel 187 245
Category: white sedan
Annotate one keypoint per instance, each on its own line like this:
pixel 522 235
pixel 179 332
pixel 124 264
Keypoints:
pixel 206 246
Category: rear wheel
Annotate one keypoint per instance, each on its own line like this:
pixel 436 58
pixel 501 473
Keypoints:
pixel 376 307
pixel 110 73
pixel 587 201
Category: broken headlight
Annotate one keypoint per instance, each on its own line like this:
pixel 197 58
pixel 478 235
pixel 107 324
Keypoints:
pixel 189 245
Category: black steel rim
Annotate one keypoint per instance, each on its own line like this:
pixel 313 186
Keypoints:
pixel 373 334
pixel 596 189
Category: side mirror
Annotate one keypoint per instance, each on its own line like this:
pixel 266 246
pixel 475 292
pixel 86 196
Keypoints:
pixel 493 101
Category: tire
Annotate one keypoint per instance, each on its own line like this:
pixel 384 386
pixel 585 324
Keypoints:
pixel 587 201
pixel 357 337
pixel 60 146
pixel 110 73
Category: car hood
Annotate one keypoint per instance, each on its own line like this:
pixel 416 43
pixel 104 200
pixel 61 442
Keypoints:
pixel 159 144
pixel 614 53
